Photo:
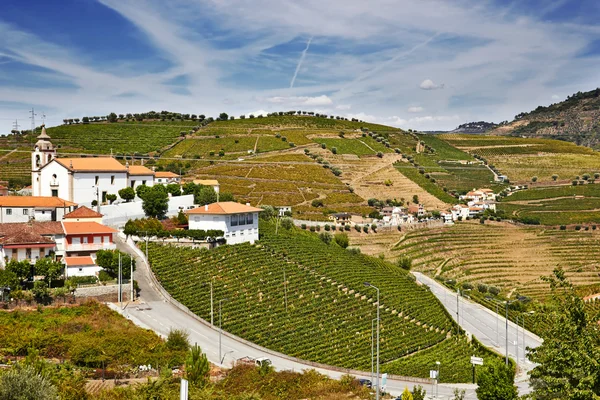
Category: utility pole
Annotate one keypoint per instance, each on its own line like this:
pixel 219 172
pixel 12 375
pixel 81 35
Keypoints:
pixel 517 341
pixel 16 126
pixel 506 342
pixel 132 298
pixel 211 304
pixel 497 329
pixel 32 117
pixel 285 290
pixel 120 295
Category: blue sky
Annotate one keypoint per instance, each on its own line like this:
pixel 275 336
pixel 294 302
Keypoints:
pixel 429 64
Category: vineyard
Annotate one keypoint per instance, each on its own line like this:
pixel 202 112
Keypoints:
pixel 322 311
pixel 510 257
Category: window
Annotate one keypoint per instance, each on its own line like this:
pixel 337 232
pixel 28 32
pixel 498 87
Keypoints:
pixel 54 192
pixel 112 179
pixel 97 179
pixel 80 269
pixel 85 239
pixel 28 254
pixel 37 161
pixel 234 220
pixel 249 219
pixel 106 239
pixel 9 211
pixel 41 253
pixel 143 182
pixel 25 211
pixel 15 254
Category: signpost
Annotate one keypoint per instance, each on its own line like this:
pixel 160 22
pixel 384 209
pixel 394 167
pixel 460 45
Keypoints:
pixel 433 374
pixel 183 392
pixel 383 382
pixel 476 361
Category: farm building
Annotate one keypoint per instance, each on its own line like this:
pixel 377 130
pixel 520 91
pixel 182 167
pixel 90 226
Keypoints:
pixel 341 218
pixel 208 182
pixel 239 222
pixel 166 177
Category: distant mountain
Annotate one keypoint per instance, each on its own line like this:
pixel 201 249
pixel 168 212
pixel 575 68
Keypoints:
pixel 475 127
pixel 576 119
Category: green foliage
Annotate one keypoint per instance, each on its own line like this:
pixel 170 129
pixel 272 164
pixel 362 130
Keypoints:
pixel 459 394
pixel 325 237
pixel 418 392
pixel 155 202
pixel 50 269
pixel 567 360
pixel 109 260
pixel 495 381
pixel 127 194
pixel 8 279
pixel 286 223
pixel 342 240
pixel 178 340
pixel 197 367
pixel 404 262
pixel 25 383
pixel 21 269
pixel 406 394
pixel 174 189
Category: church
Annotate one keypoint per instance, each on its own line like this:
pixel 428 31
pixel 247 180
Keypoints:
pixel 81 180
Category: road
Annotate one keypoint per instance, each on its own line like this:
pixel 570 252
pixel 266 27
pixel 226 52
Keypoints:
pixel 488 327
pixel 152 311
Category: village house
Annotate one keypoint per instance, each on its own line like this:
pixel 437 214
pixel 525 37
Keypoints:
pixel 418 210
pixel 239 222
pixel 166 177
pixel 208 182
pixel 282 210
pixel 86 238
pixel 342 218
pixel 479 195
pixel 30 241
pixel 27 208
pixel 460 211
pixel 83 214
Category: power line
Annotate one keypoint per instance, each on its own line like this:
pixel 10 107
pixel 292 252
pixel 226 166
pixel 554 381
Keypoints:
pixel 16 125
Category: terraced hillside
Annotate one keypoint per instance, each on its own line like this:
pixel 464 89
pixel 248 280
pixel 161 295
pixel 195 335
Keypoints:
pixel 510 257
pixel 556 205
pixel 322 310
pixel 522 159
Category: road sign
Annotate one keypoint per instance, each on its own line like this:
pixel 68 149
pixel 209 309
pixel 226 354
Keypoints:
pixel 383 379
pixel 476 360
pixel 433 374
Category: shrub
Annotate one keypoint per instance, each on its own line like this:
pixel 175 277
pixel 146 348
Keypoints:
pixel 323 146
pixel 593 227
pixel 325 237
pixel 306 151
pixel 317 203
pixel 482 288
pixel 574 183
pixel 494 290
pixel 26 383
pixel 577 227
pixel 221 153
pixel 467 286
pixel 374 227
pixel 347 227
pixel 342 240
pixel 327 227
pixel 482 220
pixel 292 144
pixel 318 227
pixel 303 226
pixel 357 228
pixel 178 339
pixel 365 228
pixel 104 276
pixel 334 150
pixel 404 262
pixel 379 154
pixel 534 179
pixel 312 228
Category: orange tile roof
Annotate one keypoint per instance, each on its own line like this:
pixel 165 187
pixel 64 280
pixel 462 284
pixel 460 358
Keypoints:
pixel 75 228
pixel 73 261
pixel 91 164
pixel 34 201
pixel 206 182
pixel 139 170
pixel 226 207
pixel 83 212
pixel 166 174
pixel 29 233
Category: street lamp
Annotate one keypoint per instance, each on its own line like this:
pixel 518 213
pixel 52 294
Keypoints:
pixel 372 344
pixel 437 378
pixel 220 328
pixel 225 355
pixel 523 330
pixel 367 284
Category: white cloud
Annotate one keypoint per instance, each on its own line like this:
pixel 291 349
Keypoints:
pixel 555 97
pixel 316 101
pixel 257 113
pixel 415 109
pixel 428 84
pixel 343 107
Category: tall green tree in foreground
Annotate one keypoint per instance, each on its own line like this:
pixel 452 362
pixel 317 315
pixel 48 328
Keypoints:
pixel 197 367
pixel 569 357
pixel 495 381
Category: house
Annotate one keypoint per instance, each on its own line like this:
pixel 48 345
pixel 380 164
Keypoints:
pixel 208 182
pixel 342 218
pixel 417 210
pixel 460 211
pixel 83 214
pixel 447 217
pixel 81 180
pixel 387 211
pixel 166 177
pixel 282 210
pixel 86 238
pixel 239 222
pixel 38 208
pixel 80 266
pixel 26 191
pixel 479 195
pixel 30 241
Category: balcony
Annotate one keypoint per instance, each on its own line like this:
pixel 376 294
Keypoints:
pixel 90 247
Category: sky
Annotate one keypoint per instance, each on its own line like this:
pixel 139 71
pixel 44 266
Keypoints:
pixel 426 64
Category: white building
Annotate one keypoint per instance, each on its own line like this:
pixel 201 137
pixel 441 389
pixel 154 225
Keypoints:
pixel 238 222
pixel 479 195
pixel 81 180
pixel 166 177
pixel 30 241
pixel 28 208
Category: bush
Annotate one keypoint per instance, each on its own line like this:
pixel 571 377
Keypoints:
pixel 379 154
pixel 334 150
pixel 357 228
pixel 25 383
pixel 317 203
pixel 482 288
pixel 347 227
pixel 365 228
pixel 342 240
pixel 374 227
pixel 104 276
pixel 467 286
pixel 494 290
pixel 327 227
pixel 323 146
pixel 325 237
pixel 404 262
pixel 482 220
pixel 178 339
pixel 303 226
pixel 577 227
pixel 312 228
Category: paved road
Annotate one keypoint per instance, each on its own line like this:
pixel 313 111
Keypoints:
pixel 153 312
pixel 488 327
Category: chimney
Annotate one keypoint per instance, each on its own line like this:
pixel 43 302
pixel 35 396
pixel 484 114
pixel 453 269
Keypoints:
pixel 206 207
pixel 248 204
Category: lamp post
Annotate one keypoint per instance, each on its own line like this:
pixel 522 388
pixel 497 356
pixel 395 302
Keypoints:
pixel 220 320
pixel 372 344
pixel 376 288
pixel 523 330
pixel 437 378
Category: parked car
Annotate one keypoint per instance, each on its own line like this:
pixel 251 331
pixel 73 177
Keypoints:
pixel 366 383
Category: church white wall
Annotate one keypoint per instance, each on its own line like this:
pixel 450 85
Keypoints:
pixel 137 180
pixel 85 183
pixel 46 179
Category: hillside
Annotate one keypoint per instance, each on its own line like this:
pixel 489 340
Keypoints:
pixel 475 127
pixel 321 311
pixel 576 119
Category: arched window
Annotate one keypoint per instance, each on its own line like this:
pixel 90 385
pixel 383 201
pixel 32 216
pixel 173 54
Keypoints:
pixel 37 161
pixel 53 176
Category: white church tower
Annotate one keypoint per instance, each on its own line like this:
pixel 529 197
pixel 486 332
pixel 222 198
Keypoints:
pixel 43 153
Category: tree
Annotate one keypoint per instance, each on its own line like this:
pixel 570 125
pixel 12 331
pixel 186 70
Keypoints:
pixel 49 268
pixel 554 177
pixel 24 383
pixel 111 198
pixel 8 279
pixel 197 367
pixel 109 261
pixel 405 262
pixel 178 340
pixel 567 360
pixel 21 269
pixel 141 190
pixel 223 116
pixel 496 381
pixel 174 189
pixel 407 395
pixel 342 240
pixel 534 179
pixel 112 117
pixel 416 199
pixel 205 195
pixel 460 394
pixel 418 392
pixel 155 202
pixel 334 150
pixel 325 237
pixel 127 194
